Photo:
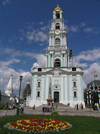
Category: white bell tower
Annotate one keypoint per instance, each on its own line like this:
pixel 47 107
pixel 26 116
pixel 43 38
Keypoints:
pixel 57 53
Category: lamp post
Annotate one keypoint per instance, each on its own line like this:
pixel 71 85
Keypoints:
pixel 17 112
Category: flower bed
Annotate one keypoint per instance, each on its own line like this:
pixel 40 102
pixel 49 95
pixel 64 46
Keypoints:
pixel 38 125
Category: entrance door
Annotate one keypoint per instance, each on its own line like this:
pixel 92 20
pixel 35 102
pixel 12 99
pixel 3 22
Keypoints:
pixel 56 96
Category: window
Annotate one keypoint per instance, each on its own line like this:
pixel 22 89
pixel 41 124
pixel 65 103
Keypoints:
pixel 57 41
pixel 39 69
pixel 57 15
pixel 73 69
pixel 57 26
pixel 74 84
pixel 57 63
pixel 75 94
pixel 38 94
pixel 39 84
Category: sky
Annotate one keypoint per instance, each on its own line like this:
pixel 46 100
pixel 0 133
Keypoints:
pixel 24 28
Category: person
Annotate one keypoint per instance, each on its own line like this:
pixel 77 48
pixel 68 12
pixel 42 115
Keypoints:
pixel 34 107
pixel 6 108
pixel 97 106
pixel 22 108
pixel 81 106
pixel 77 106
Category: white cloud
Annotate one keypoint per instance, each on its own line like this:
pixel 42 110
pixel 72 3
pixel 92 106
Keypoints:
pixel 82 24
pixel 9 62
pixel 88 30
pixel 5 2
pixel 74 29
pixel 88 60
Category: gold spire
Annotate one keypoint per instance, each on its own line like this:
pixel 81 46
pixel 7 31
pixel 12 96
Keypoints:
pixel 95 75
pixel 57 9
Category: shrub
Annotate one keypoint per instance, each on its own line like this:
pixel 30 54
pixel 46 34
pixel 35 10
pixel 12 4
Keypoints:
pixel 55 113
pixel 2 106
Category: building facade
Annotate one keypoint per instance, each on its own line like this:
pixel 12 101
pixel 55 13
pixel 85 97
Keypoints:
pixel 67 81
pixel 93 91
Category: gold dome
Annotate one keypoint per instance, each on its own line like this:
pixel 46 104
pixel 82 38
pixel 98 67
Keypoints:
pixel 57 9
pixel 95 75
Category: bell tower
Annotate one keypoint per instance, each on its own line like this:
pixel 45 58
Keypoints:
pixel 57 53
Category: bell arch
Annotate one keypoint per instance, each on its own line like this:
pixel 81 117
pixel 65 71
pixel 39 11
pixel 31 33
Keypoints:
pixel 57 63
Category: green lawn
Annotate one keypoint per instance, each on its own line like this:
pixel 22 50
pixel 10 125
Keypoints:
pixel 81 124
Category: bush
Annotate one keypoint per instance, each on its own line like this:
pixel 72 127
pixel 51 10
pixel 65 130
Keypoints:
pixel 2 106
pixel 55 113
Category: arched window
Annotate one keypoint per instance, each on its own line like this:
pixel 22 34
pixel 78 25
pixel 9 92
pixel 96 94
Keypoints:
pixel 57 26
pixel 57 15
pixel 38 84
pixel 74 84
pixel 57 41
pixel 38 94
pixel 75 94
pixel 57 63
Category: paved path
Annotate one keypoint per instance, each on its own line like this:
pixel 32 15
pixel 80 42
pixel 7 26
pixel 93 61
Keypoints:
pixel 84 112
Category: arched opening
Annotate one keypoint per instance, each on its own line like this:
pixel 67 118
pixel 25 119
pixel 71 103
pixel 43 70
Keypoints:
pixel 57 15
pixel 57 41
pixel 56 96
pixel 39 84
pixel 57 26
pixel 57 63
pixel 38 94
pixel 74 84
pixel 75 94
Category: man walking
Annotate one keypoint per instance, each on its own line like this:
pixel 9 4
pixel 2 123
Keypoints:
pixel 6 108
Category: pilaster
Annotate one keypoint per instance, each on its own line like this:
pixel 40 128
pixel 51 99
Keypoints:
pixel 35 87
pixel 42 88
pixel 78 87
pixel 71 87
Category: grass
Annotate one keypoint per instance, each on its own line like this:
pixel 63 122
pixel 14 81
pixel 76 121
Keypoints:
pixel 81 124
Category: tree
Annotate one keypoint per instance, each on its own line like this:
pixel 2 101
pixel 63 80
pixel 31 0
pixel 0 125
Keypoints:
pixel 27 91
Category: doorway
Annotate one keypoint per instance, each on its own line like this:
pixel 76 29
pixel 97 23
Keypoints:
pixel 56 96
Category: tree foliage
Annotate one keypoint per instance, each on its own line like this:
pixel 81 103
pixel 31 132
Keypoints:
pixel 27 91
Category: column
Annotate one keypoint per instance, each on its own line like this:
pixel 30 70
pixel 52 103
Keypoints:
pixel 61 88
pixel 78 84
pixel 87 98
pixel 42 88
pixel 70 87
pixel 35 87
pixel 99 95
pixel 47 87
pixel 90 97
pixel 66 89
pixel 32 88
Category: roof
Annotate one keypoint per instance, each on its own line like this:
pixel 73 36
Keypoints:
pixel 57 9
pixel 97 82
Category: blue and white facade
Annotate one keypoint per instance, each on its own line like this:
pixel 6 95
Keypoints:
pixel 67 81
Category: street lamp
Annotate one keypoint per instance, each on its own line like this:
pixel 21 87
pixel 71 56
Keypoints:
pixel 17 112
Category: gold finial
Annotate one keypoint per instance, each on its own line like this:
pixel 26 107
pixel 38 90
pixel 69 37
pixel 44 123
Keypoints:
pixel 95 75
pixel 57 9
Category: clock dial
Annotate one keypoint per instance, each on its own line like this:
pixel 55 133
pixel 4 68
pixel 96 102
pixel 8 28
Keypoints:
pixel 57 32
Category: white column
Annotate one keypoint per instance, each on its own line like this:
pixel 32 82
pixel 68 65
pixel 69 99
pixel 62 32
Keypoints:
pixel 71 87
pixel 42 88
pixel 68 59
pixel 78 87
pixel 61 60
pixel 35 87
pixel 61 41
pixel 47 86
pixel 61 88
pixel 64 40
pixel 46 60
pixel 66 90
pixel 53 40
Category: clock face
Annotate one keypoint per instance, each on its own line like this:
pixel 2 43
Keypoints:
pixel 57 32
